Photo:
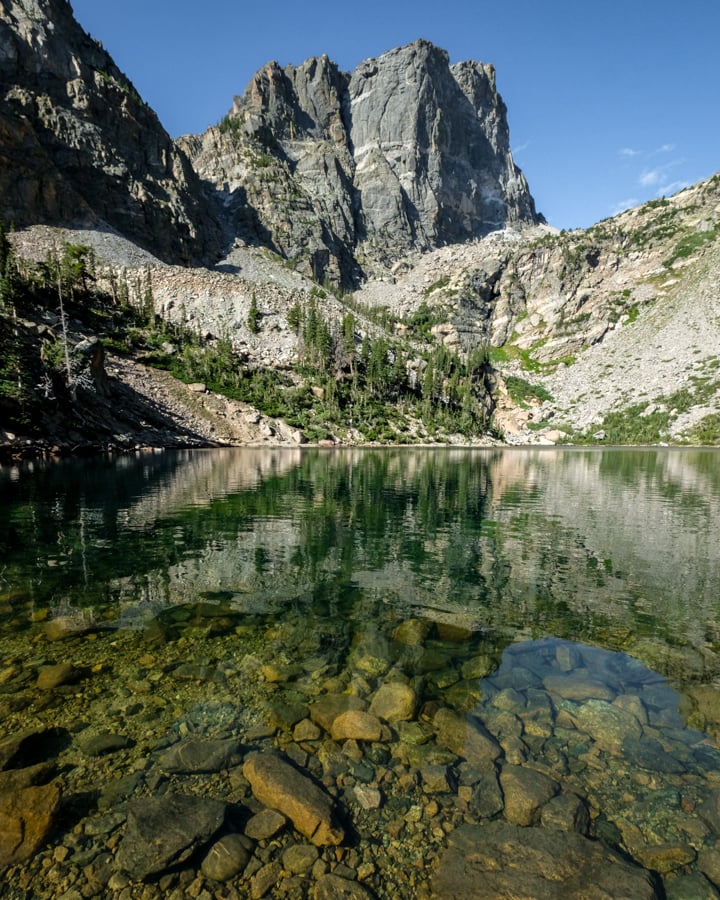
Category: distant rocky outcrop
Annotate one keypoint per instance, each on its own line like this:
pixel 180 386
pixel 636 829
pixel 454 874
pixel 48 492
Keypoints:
pixel 78 144
pixel 343 174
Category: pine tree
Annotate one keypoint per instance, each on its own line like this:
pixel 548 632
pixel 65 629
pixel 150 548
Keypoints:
pixel 253 319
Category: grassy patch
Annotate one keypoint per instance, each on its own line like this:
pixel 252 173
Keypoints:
pixel 629 426
pixel 523 392
pixel 706 432
pixel 690 244
pixel 437 285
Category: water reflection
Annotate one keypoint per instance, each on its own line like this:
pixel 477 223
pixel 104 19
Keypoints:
pixel 576 544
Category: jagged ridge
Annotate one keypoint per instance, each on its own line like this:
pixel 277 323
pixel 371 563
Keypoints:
pixel 344 173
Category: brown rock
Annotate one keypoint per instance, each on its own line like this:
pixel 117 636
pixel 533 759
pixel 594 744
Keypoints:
pixel 501 860
pixel 394 702
pixel 665 858
pixel 27 816
pixel 709 864
pixel 264 879
pixel 357 726
pixel 53 676
pixel 566 812
pixel 525 791
pixel 226 858
pixel 265 824
pixel 465 736
pixel 278 785
pixel 412 632
pixel 332 887
pixel 306 730
pixel 325 710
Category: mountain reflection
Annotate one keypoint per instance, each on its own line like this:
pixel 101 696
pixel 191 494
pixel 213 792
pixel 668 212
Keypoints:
pixel 604 546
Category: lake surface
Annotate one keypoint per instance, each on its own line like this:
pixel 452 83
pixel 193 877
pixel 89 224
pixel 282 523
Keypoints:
pixel 562 606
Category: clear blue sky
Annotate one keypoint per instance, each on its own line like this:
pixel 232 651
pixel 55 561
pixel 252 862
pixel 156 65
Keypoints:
pixel 610 104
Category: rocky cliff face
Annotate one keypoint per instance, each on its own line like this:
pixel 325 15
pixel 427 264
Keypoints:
pixel 344 174
pixel 78 145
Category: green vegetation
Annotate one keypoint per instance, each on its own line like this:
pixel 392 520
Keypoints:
pixel 253 319
pixel 437 285
pixel 344 382
pixel 230 125
pixel 524 355
pixel 657 227
pixel 706 432
pixel 422 321
pixel 629 426
pixel 635 425
pixel 524 393
pixel 690 244
pixel 35 369
pixel 121 85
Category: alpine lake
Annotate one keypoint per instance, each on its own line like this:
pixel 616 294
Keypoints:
pixel 390 673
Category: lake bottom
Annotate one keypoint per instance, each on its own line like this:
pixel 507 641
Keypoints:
pixel 219 754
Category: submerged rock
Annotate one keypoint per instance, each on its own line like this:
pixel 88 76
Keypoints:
pixel 226 858
pixel 164 831
pixel 54 676
pixel 280 786
pixel 200 756
pixel 105 742
pixel 27 812
pixel 356 725
pixel 265 824
pixel 525 792
pixel 332 887
pixel 501 860
pixel 326 709
pixel 465 736
pixel 394 702
pixel 566 812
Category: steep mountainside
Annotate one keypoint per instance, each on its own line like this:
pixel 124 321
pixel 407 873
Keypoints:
pixel 618 320
pixel 78 145
pixel 469 316
pixel 347 174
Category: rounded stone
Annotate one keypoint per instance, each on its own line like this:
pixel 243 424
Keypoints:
pixel 265 824
pixel 226 858
pixel 300 858
pixel 357 726
pixel 55 676
pixel 394 702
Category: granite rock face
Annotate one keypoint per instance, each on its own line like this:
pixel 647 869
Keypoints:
pixel 79 146
pixel 347 173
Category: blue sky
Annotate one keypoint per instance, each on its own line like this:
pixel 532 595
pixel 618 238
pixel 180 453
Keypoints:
pixel 609 104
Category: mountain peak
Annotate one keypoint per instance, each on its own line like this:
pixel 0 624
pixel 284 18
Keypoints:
pixel 404 154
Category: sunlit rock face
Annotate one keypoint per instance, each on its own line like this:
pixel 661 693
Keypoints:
pixel 353 171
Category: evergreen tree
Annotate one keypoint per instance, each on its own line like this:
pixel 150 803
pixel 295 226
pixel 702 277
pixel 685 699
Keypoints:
pixel 253 319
